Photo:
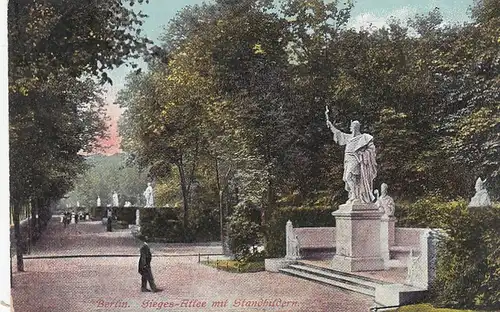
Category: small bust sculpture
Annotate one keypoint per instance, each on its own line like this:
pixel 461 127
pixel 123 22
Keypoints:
pixel 127 204
pixel 481 199
pixel 384 202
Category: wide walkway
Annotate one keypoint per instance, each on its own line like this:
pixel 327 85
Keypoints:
pixel 111 283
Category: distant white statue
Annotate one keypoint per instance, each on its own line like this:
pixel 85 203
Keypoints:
pixel 360 166
pixel 384 202
pixel 127 204
pixel 149 196
pixel 98 201
pixel 77 203
pixel 481 199
pixel 115 199
pixel 292 242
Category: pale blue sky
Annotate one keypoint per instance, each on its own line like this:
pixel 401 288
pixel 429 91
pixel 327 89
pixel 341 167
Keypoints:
pixel 365 12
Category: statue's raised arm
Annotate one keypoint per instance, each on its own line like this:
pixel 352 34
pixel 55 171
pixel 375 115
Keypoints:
pixel 338 136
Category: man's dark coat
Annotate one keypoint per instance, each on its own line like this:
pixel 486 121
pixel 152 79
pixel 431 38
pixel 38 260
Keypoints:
pixel 145 259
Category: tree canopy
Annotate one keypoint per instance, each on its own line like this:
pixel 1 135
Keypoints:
pixel 242 88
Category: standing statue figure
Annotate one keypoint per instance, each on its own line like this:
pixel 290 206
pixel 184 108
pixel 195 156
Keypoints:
pixel 115 200
pixel 292 242
pixel 295 250
pixel 98 201
pixel 148 194
pixel 481 198
pixel 384 202
pixel 360 166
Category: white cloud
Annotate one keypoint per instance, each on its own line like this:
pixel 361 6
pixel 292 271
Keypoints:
pixel 371 21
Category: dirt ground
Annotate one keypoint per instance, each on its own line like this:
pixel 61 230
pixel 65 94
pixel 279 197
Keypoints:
pixel 108 283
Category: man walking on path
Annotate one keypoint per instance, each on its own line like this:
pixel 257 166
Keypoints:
pixel 145 269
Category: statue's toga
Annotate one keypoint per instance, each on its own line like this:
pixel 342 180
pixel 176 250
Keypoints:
pixel 360 166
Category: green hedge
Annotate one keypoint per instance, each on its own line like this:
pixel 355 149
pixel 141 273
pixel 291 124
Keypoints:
pixel 162 223
pixel 125 214
pixel 468 269
pixel 428 212
pixel 314 216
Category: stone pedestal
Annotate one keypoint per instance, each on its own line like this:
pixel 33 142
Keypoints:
pixel 387 228
pixel 357 238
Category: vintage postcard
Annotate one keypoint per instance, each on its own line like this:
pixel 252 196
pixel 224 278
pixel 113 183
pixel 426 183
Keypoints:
pixel 252 155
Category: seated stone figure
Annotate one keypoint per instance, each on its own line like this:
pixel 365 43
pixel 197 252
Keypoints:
pixel 481 198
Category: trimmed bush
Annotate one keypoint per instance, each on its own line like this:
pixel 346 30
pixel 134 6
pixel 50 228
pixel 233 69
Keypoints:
pixel 468 268
pixel 314 216
pixel 244 231
pixel 162 223
pixel 468 271
pixel 428 212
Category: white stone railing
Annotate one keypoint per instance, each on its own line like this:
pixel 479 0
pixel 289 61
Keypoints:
pixel 422 266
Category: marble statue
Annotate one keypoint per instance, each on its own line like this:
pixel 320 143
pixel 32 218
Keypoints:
pixel 127 204
pixel 295 247
pixel 481 198
pixel 115 199
pixel 292 242
pixel 98 201
pixel 384 202
pixel 360 166
pixel 148 194
pixel 77 203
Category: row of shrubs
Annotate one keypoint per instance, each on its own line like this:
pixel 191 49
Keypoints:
pixel 468 269
pixel 165 224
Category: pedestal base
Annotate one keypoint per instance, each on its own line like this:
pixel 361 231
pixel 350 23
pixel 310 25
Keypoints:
pixel 357 238
pixel 349 264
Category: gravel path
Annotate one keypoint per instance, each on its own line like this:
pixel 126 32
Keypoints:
pixel 113 284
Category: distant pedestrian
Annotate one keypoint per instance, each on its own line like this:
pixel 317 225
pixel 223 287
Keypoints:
pixel 109 224
pixel 145 269
pixel 76 217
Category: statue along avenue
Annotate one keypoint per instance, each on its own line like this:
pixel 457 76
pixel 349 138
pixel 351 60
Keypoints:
pixel 149 196
pixel 481 198
pixel 360 166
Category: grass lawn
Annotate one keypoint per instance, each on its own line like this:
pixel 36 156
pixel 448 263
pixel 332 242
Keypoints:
pixel 236 266
pixel 426 308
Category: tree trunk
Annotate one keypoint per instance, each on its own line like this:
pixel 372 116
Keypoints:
pixel 221 197
pixel 35 204
pixel 267 209
pixel 19 240
pixel 185 196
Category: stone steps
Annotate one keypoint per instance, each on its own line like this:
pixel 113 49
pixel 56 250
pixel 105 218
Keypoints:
pixel 359 284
